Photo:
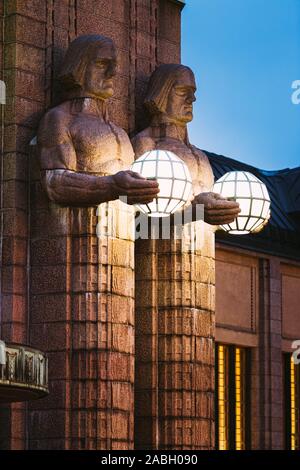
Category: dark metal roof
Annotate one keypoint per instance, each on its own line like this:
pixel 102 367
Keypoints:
pixel 179 2
pixel 281 236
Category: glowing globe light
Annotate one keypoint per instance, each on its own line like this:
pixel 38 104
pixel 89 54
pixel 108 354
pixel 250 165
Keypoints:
pixel 253 198
pixel 173 177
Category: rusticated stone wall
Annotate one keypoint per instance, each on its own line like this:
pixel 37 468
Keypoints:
pixel 175 328
pixel 263 319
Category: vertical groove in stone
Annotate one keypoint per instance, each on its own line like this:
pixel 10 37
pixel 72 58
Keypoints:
pixel 263 303
pixel 154 35
pixel 269 366
pixel 49 31
pixel 132 65
pixel 5 410
pixel 2 46
pixel 72 20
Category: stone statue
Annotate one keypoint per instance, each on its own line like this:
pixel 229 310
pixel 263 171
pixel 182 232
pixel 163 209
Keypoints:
pixel 85 276
pixel 84 157
pixel 169 101
pixel 175 286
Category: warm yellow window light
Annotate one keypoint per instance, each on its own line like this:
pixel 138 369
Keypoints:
pixel 239 412
pixel 293 409
pixel 173 177
pixel 222 398
pixel 253 197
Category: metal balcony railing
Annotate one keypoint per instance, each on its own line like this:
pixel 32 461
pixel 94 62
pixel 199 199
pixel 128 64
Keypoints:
pixel 23 373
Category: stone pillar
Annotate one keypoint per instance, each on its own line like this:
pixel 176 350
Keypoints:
pixel 175 333
pixel 82 312
pixel 267 391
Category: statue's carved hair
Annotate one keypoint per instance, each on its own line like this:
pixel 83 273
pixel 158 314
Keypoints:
pixel 77 57
pixel 160 85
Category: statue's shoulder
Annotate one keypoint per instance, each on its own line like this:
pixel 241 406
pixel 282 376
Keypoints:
pixel 143 142
pixel 54 121
pixel 57 113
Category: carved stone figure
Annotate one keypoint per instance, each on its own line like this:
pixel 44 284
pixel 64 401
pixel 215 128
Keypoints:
pixel 85 277
pixel 77 142
pixel 175 286
pixel 169 101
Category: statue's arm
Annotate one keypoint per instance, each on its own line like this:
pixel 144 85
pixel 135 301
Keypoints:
pixel 77 189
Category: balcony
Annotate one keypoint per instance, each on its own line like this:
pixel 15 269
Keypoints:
pixel 23 373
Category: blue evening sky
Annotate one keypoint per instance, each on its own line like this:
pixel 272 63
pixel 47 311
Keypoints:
pixel 245 55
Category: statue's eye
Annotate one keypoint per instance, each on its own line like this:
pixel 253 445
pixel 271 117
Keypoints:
pixel 101 64
pixel 180 91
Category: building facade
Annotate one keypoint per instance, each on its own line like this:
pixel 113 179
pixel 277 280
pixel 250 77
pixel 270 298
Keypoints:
pixel 257 318
pixel 91 404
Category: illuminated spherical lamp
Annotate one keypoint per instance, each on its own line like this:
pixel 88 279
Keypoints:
pixel 253 197
pixel 173 177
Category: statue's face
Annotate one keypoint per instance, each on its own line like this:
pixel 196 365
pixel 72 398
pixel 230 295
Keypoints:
pixel 100 71
pixel 181 97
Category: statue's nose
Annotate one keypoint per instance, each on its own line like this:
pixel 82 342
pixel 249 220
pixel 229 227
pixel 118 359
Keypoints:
pixel 191 98
pixel 111 70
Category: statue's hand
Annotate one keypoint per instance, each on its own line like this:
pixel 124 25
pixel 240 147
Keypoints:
pixel 135 187
pixel 217 209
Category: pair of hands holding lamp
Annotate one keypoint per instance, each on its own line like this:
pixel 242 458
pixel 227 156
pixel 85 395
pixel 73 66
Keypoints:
pixel 139 190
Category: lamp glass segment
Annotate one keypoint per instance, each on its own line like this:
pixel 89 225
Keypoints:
pixel 252 195
pixel 173 177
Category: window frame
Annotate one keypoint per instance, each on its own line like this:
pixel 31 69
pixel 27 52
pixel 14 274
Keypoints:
pixel 229 353
pixel 287 366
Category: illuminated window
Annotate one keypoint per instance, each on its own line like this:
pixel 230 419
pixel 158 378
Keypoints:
pixel 222 398
pixel 292 403
pixel 232 398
